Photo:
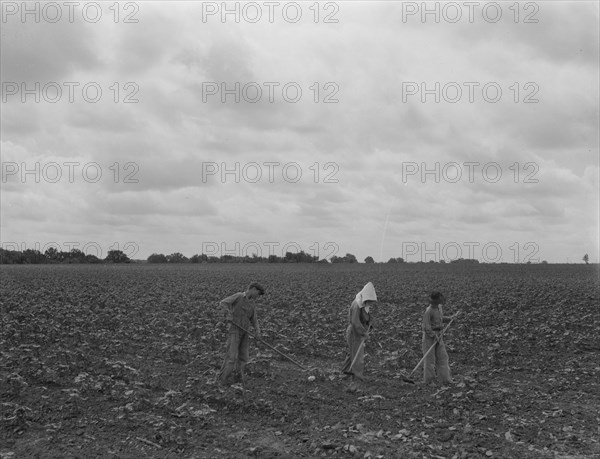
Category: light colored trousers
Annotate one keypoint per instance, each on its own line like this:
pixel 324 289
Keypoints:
pixel 238 346
pixel 437 360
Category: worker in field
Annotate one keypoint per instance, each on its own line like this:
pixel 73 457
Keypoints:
pixel 437 359
pixel 360 324
pixel 239 313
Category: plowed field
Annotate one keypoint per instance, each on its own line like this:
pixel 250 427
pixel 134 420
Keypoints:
pixel 120 361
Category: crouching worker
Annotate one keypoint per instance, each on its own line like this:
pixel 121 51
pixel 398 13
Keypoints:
pixel 437 359
pixel 360 324
pixel 239 310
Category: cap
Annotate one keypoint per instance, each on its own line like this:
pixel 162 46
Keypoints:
pixel 435 295
pixel 258 287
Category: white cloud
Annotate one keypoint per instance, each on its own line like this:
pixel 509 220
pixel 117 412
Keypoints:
pixel 364 142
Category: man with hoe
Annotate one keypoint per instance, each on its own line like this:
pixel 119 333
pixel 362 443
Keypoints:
pixel 240 313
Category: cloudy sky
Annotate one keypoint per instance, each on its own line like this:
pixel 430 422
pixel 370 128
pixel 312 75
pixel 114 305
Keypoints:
pixel 374 128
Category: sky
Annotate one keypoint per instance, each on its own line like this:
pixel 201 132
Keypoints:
pixel 426 131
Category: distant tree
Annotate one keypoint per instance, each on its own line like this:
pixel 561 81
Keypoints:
pixel 31 256
pixel 290 257
pixel 177 258
pixel 89 258
pixel 117 256
pixel 157 258
pixel 10 257
pixel 396 260
pixel 324 260
pixel 369 260
pixel 465 261
pixel 300 257
pixel 307 257
pixel 76 256
pixel 443 261
pixel 586 258
pixel 199 258
pixel 51 253
pixel 349 258
pixel 544 262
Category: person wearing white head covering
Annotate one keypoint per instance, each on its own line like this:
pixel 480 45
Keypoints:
pixel 360 323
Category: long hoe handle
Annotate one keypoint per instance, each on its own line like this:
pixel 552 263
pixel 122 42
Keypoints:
pixel 269 346
pixel 362 344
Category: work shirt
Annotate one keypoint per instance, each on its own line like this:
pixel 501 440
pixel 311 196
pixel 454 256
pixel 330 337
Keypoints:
pixel 433 319
pixel 241 311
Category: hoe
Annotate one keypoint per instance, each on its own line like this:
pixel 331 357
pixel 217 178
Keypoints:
pixel 271 347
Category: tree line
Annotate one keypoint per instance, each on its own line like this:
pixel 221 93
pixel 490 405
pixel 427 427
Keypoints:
pixel 290 257
pixel 53 255
pixel 76 256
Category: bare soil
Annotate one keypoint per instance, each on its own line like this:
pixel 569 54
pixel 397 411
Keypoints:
pixel 120 361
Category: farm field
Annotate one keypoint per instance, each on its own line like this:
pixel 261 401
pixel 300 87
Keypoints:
pixel 120 360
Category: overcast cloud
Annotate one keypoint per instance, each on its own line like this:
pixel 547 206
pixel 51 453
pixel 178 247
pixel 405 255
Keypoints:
pixel 361 157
